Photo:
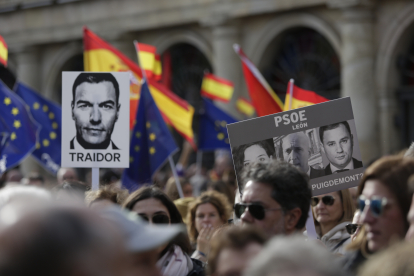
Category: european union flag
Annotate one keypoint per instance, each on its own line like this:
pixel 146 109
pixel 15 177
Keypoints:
pixel 18 129
pixel 49 116
pixel 213 131
pixel 151 143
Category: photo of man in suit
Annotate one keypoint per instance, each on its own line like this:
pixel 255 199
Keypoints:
pixel 296 151
pixel 337 143
pixel 95 110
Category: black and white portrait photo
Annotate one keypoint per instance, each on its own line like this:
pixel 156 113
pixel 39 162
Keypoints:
pixel 95 115
pixel 95 110
pixel 337 143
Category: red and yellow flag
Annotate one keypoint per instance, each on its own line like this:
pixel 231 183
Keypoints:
pixel 3 51
pixel 217 88
pixel 245 107
pixel 149 60
pixel 301 97
pixel 157 74
pixel 99 56
pixel 264 99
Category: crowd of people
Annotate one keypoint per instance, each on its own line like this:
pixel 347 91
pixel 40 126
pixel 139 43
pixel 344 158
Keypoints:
pixel 65 228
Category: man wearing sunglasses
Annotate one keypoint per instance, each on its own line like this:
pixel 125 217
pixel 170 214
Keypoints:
pixel 337 142
pixel 276 198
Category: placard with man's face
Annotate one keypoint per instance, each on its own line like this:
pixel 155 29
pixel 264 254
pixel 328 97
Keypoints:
pixel 320 140
pixel 95 115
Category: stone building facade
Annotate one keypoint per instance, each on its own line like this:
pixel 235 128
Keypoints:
pixel 362 48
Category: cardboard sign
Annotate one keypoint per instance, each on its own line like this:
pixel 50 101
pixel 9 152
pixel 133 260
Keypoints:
pixel 95 119
pixel 319 139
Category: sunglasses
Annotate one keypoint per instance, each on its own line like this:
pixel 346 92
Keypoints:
pixel 256 210
pixel 376 204
pixel 351 228
pixel 156 219
pixel 327 200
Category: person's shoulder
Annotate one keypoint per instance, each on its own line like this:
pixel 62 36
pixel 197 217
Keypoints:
pixel 114 146
pixel 198 268
pixel 328 170
pixel 314 173
pixel 357 163
pixel 72 143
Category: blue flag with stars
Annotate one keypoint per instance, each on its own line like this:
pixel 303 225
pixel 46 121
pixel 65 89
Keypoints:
pixel 18 130
pixel 213 131
pixel 49 116
pixel 151 143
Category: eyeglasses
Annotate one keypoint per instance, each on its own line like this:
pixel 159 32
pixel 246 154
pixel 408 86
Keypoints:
pixel 256 210
pixel 327 200
pixel 156 219
pixel 376 204
pixel 351 228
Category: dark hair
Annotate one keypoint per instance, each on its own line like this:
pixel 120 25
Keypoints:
pixel 393 172
pixel 175 216
pixel 238 155
pixel 322 129
pixel 233 237
pixel 289 185
pixel 95 78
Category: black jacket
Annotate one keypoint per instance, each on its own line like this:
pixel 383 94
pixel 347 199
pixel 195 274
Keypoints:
pixel 357 164
pixel 198 268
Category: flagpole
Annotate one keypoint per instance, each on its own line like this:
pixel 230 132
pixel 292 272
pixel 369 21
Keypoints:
pixel 95 179
pixel 144 74
pixel 177 181
pixel 291 82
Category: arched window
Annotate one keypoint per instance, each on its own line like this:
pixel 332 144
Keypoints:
pixel 306 56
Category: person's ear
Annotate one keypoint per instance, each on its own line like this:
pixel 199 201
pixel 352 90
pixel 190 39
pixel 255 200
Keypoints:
pixel 291 219
pixel 117 112
pixel 352 141
pixel 73 115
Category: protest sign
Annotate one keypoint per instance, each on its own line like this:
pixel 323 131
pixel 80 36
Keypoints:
pixel 95 119
pixel 319 139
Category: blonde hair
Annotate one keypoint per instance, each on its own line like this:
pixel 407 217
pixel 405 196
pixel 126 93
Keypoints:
pixel 171 188
pixel 218 200
pixel 347 205
pixel 111 193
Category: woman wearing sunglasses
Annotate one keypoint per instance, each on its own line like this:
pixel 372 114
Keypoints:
pixel 384 201
pixel 207 213
pixel 154 206
pixel 332 212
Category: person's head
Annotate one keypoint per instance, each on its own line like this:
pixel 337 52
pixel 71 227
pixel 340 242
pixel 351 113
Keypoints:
pixel 337 143
pixel 233 248
pixel 276 198
pixel 257 152
pixel 385 200
pixel 59 242
pixel 142 240
pixel 71 191
pixel 154 206
pixel 66 174
pixel 294 256
pixel 106 194
pixel 296 150
pixel 395 261
pixel 172 191
pixel 211 208
pixel 95 108
pixel 35 179
pixel 332 209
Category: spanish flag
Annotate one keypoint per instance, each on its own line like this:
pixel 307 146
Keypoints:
pixel 245 107
pixel 3 51
pixel 301 97
pixel 157 74
pixel 146 57
pixel 216 88
pixel 100 56
pixel 264 99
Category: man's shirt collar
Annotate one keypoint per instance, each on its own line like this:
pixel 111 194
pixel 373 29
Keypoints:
pixel 350 166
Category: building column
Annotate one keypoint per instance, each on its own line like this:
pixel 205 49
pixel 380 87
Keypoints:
pixel 226 63
pixel 357 61
pixel 29 72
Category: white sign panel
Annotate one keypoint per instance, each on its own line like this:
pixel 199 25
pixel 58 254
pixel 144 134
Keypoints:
pixel 320 139
pixel 95 119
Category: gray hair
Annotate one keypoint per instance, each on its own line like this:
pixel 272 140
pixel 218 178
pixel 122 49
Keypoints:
pixel 410 151
pixel 296 256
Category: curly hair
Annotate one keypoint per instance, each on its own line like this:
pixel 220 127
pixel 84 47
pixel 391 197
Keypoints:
pixel 218 200
pixel 289 185
pixel 113 194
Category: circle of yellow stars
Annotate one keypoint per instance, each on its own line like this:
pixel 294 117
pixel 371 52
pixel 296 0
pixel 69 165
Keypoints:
pixel 16 123
pixel 55 125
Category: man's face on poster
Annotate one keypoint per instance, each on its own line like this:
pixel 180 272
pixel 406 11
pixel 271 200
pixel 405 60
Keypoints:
pixel 338 145
pixel 95 110
pixel 296 150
